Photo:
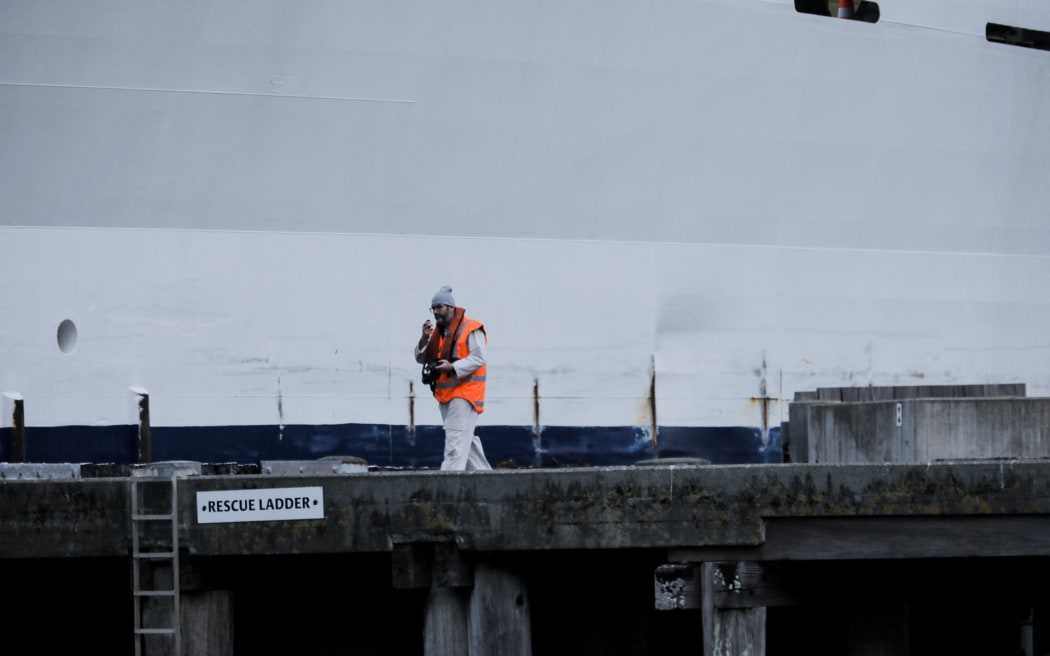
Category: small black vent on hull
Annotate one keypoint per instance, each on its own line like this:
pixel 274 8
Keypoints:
pixel 1018 36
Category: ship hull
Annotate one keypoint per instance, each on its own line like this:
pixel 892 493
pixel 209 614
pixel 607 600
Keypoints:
pixel 670 217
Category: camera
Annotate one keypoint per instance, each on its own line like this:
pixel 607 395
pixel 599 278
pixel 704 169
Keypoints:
pixel 429 375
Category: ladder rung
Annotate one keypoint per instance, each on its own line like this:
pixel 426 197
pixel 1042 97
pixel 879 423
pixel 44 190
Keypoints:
pixel 142 512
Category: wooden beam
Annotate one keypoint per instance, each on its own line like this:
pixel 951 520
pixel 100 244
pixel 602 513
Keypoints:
pixel 751 585
pixel 410 565
pixel 677 586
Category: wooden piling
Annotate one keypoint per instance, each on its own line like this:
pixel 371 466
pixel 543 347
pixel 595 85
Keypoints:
pixel 445 623
pixel 499 622
pixel 728 631
pixel 206 622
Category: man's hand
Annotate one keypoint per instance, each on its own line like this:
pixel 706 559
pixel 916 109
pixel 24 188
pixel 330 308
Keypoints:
pixel 443 367
pixel 427 329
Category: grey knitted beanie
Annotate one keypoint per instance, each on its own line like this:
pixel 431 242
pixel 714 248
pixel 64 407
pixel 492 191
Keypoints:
pixel 444 297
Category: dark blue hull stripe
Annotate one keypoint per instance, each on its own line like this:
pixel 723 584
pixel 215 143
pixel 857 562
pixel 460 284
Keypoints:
pixel 394 446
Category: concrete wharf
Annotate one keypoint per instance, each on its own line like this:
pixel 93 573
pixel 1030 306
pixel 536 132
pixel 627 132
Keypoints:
pixel 692 522
pixel 673 556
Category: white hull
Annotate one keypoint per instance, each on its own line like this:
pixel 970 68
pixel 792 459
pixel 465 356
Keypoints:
pixel 245 207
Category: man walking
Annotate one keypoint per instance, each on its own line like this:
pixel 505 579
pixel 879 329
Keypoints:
pixel 455 350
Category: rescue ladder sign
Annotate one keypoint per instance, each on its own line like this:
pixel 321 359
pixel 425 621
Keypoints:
pixel 260 505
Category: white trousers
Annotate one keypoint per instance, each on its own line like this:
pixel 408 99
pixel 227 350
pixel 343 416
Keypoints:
pixel 463 450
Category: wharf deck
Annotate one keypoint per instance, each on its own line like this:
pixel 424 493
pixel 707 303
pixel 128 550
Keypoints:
pixel 695 512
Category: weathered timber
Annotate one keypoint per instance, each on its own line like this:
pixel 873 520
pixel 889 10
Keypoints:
pixel 676 586
pixel 741 584
pixel 445 623
pixel 411 565
pixel 733 631
pixel 499 620
pixel 207 622
pixel 750 585
pixel 738 512
pixel 451 568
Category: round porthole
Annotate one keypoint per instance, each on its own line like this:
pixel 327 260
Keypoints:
pixel 67 336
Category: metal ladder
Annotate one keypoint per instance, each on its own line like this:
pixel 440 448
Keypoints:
pixel 145 510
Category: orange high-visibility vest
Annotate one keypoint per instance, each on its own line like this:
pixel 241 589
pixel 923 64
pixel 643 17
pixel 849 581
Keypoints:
pixel 472 387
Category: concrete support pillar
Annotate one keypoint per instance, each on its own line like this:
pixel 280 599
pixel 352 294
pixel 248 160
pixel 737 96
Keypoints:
pixel 500 622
